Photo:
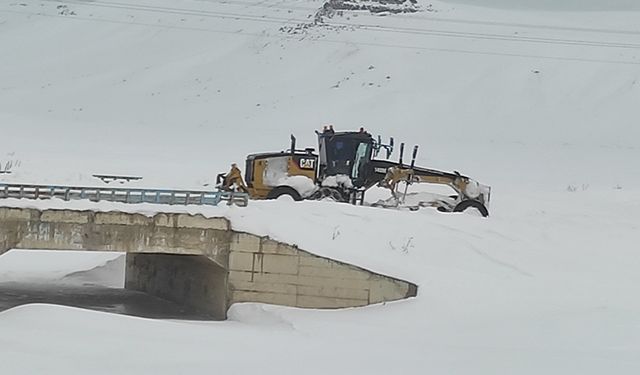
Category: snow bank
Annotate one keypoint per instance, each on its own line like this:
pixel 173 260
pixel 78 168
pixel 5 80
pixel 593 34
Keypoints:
pixel 110 274
pixel 43 266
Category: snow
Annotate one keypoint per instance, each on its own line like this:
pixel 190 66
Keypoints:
pixel 41 266
pixel 538 100
pixel 303 184
pixel 338 180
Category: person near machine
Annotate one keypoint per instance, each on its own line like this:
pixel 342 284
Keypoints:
pixel 232 180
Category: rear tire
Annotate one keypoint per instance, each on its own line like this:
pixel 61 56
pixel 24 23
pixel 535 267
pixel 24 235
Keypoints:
pixel 329 192
pixel 284 190
pixel 464 205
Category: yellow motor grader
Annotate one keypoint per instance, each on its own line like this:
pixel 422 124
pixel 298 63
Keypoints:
pixel 343 169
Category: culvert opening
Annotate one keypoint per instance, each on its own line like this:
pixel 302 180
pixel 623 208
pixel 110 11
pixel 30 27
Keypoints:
pixel 82 279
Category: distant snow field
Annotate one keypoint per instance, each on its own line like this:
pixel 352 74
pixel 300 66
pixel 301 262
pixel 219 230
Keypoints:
pixel 537 99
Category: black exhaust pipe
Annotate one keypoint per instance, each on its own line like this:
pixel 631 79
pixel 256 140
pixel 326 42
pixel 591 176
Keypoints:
pixel 415 153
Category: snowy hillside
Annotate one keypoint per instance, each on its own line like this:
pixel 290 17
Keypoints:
pixel 540 101
pixel 176 91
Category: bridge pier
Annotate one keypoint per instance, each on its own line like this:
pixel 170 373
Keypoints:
pixel 193 281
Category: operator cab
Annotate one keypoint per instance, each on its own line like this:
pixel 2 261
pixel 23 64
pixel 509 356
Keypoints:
pixel 345 153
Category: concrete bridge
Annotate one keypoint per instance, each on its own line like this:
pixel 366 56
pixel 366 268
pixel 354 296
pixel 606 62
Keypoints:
pixel 201 262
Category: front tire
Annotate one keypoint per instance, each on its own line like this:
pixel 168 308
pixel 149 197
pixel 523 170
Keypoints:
pixel 284 190
pixel 329 193
pixel 471 204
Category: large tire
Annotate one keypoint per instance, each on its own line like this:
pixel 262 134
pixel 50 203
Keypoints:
pixel 284 190
pixel 329 192
pixel 464 205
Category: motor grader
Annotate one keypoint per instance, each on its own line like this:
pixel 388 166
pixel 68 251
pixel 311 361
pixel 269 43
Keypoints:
pixel 344 168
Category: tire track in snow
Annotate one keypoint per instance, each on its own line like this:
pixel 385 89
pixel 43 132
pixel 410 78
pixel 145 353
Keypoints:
pixel 497 261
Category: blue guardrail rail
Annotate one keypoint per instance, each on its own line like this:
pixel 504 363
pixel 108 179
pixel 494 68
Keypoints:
pixel 123 195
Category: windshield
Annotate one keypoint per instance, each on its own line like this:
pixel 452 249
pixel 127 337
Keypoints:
pixel 360 159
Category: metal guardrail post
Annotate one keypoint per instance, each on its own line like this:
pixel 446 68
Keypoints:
pixel 230 202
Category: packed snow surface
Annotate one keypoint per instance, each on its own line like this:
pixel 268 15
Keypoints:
pixel 537 99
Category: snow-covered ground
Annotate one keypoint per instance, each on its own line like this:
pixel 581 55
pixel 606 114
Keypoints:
pixel 539 101
pixel 24 266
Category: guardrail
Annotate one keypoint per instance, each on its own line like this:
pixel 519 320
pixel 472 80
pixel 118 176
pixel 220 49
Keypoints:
pixel 123 195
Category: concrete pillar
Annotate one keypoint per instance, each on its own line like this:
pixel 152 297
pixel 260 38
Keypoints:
pixel 191 280
pixel 9 230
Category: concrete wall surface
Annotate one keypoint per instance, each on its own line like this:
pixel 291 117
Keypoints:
pixel 264 270
pixel 200 261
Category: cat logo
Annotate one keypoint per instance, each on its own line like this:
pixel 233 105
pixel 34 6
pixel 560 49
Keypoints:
pixel 307 163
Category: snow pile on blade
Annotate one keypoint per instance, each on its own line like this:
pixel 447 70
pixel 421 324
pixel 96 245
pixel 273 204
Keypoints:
pixel 302 184
pixel 340 180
